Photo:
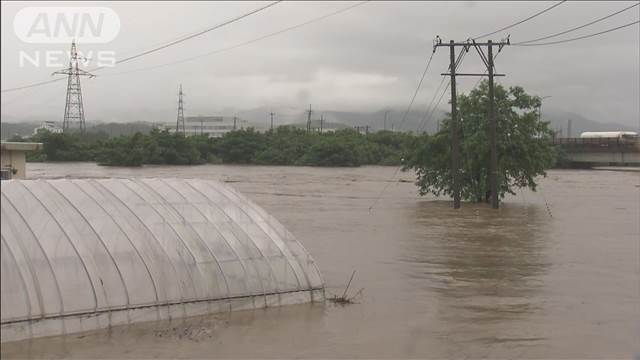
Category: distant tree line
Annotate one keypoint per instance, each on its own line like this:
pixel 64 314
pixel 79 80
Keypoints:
pixel 525 149
pixel 283 146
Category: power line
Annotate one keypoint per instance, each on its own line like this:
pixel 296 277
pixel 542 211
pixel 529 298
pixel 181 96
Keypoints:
pixel 188 37
pixel 248 42
pixel 421 126
pixel 415 93
pixel 393 177
pixel 32 85
pixel 395 173
pixel 430 110
pixel 521 21
pixel 582 37
pixel 180 40
pixel 404 117
pixel 578 27
pixel 430 113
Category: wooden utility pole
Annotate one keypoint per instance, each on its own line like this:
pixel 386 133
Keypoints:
pixel 455 145
pixel 493 166
pixel 271 114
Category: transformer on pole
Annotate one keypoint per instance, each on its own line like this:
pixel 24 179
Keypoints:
pixel 73 109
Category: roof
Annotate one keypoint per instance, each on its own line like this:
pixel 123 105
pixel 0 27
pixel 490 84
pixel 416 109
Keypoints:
pixel 20 146
pixel 92 246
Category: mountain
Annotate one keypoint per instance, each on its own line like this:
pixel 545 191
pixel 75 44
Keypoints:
pixel 288 115
pixel 259 118
pixel 10 129
pixel 560 120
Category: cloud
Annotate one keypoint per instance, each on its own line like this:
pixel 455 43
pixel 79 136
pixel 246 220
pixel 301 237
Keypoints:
pixel 365 59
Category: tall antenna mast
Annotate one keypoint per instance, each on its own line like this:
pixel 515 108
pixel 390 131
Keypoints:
pixel 180 119
pixel 73 109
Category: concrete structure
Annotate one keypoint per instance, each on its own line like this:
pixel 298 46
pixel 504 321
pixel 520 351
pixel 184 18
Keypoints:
pixel 600 151
pixel 49 126
pixel 13 158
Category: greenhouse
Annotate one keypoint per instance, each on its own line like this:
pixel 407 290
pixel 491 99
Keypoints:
pixel 86 254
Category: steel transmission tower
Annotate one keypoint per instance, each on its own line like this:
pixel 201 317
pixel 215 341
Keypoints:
pixel 73 109
pixel 180 119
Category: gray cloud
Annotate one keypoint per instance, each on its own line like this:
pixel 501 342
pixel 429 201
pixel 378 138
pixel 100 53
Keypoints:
pixel 362 60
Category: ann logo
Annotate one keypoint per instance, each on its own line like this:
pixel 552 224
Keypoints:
pixel 61 25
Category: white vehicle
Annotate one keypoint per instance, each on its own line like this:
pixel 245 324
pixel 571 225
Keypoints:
pixel 608 135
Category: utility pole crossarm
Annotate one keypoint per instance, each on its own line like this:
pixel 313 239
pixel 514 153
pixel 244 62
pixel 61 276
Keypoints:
pixel 469 74
pixel 472 43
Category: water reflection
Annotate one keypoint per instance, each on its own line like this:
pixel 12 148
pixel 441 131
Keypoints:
pixel 481 265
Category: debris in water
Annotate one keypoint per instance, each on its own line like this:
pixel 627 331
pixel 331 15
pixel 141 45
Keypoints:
pixel 344 299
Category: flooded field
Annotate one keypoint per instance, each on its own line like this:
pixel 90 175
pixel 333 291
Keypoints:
pixel 552 274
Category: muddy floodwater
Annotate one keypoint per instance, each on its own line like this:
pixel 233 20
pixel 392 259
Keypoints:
pixel 552 274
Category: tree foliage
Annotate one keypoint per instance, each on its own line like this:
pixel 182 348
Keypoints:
pixel 283 146
pixel 523 142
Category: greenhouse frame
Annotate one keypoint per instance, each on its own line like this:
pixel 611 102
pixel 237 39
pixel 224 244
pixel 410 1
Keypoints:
pixel 86 254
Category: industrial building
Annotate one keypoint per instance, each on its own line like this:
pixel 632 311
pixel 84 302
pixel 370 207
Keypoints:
pixel 212 126
pixel 49 126
pixel 86 254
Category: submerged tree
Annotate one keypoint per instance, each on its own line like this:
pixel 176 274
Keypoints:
pixel 523 142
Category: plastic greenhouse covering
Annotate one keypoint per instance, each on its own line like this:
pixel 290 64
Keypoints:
pixel 85 254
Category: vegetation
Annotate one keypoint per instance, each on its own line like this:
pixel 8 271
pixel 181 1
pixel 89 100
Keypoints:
pixel 524 146
pixel 283 146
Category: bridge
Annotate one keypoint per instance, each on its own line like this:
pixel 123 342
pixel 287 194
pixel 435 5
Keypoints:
pixel 587 152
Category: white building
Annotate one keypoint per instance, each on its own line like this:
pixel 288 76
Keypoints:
pixel 49 126
pixel 212 126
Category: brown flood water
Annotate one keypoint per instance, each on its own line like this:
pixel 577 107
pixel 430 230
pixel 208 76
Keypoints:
pixel 552 274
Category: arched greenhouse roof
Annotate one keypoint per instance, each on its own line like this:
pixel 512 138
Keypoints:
pixel 86 247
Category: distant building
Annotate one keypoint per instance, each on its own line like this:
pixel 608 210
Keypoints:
pixel 212 126
pixel 13 159
pixel 49 126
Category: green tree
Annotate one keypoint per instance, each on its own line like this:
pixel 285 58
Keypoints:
pixel 331 151
pixel 523 142
pixel 241 147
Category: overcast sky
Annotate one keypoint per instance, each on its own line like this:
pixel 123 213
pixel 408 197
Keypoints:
pixel 364 59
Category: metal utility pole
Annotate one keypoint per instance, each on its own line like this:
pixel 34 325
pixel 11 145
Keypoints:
pixel 321 122
pixel 455 146
pixel 235 120
pixel 74 108
pixel 271 114
pixel 180 117
pixel 309 119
